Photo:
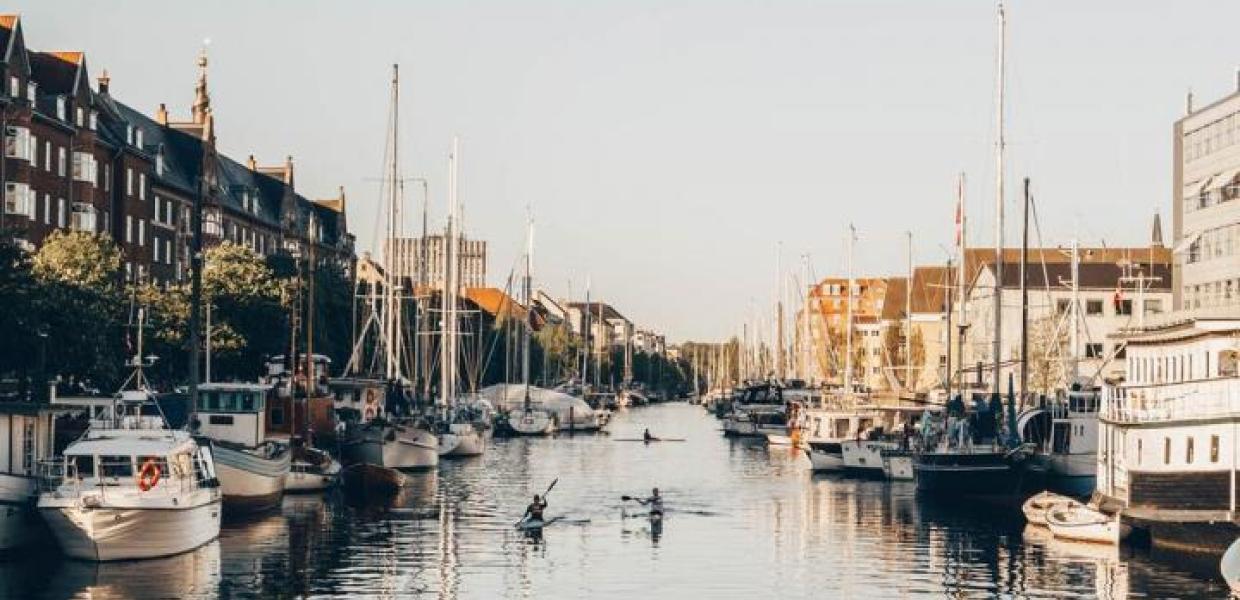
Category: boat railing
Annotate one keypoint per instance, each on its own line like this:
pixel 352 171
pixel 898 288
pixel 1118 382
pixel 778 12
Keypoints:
pixel 56 476
pixel 1190 400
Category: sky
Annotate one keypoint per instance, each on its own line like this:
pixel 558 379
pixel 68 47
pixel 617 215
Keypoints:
pixel 673 153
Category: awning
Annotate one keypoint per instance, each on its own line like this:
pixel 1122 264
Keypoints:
pixel 1224 179
pixel 1182 247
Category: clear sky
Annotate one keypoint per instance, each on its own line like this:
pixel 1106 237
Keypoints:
pixel 667 147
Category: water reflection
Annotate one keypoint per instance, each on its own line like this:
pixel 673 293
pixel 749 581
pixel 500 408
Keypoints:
pixel 743 520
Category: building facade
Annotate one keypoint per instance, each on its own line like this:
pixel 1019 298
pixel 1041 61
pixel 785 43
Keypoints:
pixel 404 256
pixel 1206 214
pixel 78 158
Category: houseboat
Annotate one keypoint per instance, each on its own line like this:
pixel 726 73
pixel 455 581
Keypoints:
pixel 252 468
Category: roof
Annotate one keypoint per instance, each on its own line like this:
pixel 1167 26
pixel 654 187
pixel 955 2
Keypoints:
pixel 239 387
pixel 609 313
pixel 130 442
pixel 56 72
pixel 894 301
pixel 7 24
pixel 494 301
pixel 930 286
pixel 1092 275
pixel 154 136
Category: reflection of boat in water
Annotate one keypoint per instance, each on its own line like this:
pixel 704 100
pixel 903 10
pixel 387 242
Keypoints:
pixel 190 574
pixel 1229 567
pixel 367 478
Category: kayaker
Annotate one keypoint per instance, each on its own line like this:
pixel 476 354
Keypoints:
pixel 648 437
pixel 655 502
pixel 535 510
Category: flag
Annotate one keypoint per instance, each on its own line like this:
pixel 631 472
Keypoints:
pixel 1119 296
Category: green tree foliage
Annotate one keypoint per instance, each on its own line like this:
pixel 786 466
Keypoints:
pixel 82 306
pixel 20 321
pixel 248 322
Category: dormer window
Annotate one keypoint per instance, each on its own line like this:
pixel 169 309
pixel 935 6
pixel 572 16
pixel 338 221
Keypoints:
pixel 94 120
pixel 79 117
pixel 159 163
pixel 15 87
pixel 60 108
pixel 129 134
pixel 31 91
pixel 137 138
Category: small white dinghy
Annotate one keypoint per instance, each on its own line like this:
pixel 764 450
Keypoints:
pixel 1229 566
pixel 1082 523
pixel 1036 507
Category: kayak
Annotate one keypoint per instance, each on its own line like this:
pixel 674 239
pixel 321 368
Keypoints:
pixel 530 524
pixel 648 441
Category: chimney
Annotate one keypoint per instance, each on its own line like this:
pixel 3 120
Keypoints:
pixel 288 170
pixel 161 114
pixel 1188 102
pixel 251 163
pixel 104 80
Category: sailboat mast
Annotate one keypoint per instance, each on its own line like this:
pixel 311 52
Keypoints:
pixel 447 345
pixel 779 313
pixel 963 241
pixel 805 325
pixel 1024 298
pixel 525 295
pixel 848 325
pixel 908 319
pixel 999 147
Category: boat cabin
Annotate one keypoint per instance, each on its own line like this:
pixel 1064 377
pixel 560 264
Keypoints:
pixel 358 400
pixel 233 412
pixel 289 383
pixel 118 458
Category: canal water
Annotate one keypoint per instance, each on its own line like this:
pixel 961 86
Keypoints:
pixel 744 521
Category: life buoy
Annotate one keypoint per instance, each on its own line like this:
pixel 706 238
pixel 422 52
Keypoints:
pixel 370 412
pixel 148 476
pixel 371 398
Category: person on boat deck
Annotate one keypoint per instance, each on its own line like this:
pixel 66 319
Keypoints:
pixel 655 502
pixel 647 436
pixel 535 510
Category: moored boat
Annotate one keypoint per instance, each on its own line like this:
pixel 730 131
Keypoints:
pixel 1036 507
pixel 1081 523
pixel 366 478
pixel 312 470
pixel 1229 567
pixel 130 488
pixel 252 469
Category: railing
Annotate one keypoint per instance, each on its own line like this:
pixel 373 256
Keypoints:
pixel 1192 400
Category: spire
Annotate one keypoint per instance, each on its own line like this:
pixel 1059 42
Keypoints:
pixel 202 100
pixel 1156 238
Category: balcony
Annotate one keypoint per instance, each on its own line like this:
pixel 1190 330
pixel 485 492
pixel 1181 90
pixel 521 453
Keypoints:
pixel 17 143
pixel 19 199
pixel 1191 400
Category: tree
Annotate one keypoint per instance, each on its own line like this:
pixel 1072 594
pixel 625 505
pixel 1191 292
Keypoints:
pixel 248 322
pixel 1048 345
pixel 906 369
pixel 20 322
pixel 82 307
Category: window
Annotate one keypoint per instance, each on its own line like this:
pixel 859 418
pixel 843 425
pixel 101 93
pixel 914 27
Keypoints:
pixel 83 466
pixel 157 207
pixel 155 248
pixel 1214 448
pixel 85 167
pixel 17 143
pixel 1123 307
pixel 1139 452
pixel 60 212
pixel 141 185
pixel 79 117
pixel 84 217
pixel 19 199
pixel 15 87
pixel 34 151
pixel 1121 352
pixel 128 229
pixel 28 447
pixel 60 108
pixel 129 181
pixel 94 120
pixel 141 232
pixel 60 162
pixel 47 209
pixel 115 467
pixel 47 156
pixel 137 141
pixel 1093 307
pixel 1166 451
pixel 107 180
pixel 32 91
pixel 167 252
pixel 1188 451
pixel 1093 350
pixel 220 419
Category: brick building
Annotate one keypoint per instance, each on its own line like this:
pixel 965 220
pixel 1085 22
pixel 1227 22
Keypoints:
pixel 80 158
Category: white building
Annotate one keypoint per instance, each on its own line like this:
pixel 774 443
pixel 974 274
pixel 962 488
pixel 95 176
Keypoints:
pixel 1109 300
pixel 404 257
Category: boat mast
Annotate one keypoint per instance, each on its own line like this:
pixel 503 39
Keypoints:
pixel 780 357
pixel 999 147
pixel 805 326
pixel 447 345
pixel 1076 308
pixel 848 325
pixel 391 312
pixel 963 240
pixel 525 293
pixel 1024 299
pixel 908 320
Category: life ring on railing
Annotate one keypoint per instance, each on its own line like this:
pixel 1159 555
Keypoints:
pixel 148 475
pixel 370 412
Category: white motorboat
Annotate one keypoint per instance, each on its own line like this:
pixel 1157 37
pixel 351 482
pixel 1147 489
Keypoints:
pixel 1036 507
pixel 130 488
pixel 252 469
pixel 825 430
pixel 407 446
pixel 864 457
pixel 1082 523
pixel 1229 567
pixel 312 470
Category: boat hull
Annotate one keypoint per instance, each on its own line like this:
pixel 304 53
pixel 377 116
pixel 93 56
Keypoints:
pixel 19 524
pixel 372 479
pixel 250 482
pixel 898 465
pixel 825 457
pixel 403 448
pixel 531 422
pixel 966 474
pixel 864 458
pixel 310 478
pixel 105 534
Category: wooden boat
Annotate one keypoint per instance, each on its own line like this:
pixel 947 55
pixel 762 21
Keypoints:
pixel 368 478
pixel 1036 507
pixel 1082 523
pixel 1229 566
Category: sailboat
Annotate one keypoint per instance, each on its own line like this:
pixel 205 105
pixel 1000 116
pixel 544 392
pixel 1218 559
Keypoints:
pixel 381 428
pixel 529 420
pixel 131 487
pixel 966 454
pixel 459 433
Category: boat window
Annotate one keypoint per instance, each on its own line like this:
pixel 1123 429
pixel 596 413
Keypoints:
pixel 220 420
pixel 1227 363
pixel 1166 451
pixel 84 465
pixel 211 401
pixel 1188 451
pixel 115 467
pixel 247 402
pixel 1139 453
pixel 1214 448
pixel 277 415
pixel 182 465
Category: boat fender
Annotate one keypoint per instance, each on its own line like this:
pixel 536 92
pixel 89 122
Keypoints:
pixel 148 476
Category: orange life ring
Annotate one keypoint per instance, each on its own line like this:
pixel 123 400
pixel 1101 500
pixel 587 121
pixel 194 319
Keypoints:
pixel 148 475
pixel 371 397
pixel 370 412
